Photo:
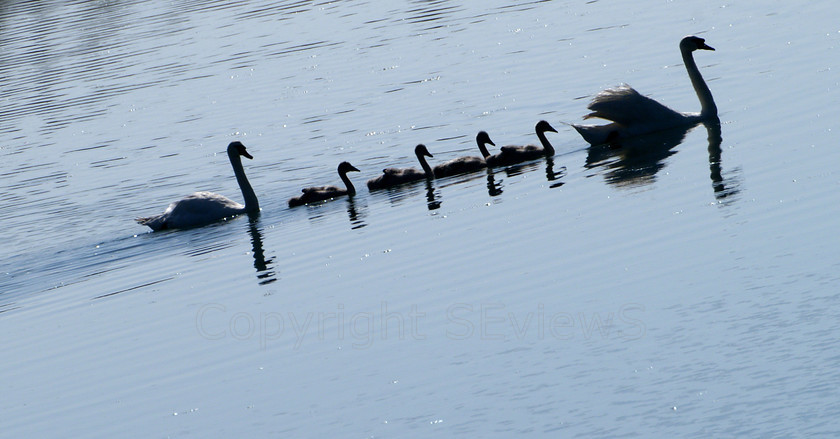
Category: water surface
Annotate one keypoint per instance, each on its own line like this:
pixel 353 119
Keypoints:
pixel 679 293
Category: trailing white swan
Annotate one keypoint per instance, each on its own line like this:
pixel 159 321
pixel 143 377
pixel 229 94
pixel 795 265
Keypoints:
pixel 633 114
pixel 202 208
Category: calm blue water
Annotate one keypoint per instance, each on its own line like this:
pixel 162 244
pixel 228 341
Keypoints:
pixel 686 293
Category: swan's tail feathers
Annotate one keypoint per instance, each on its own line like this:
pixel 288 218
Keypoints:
pixel 154 222
pixel 596 115
pixel 597 134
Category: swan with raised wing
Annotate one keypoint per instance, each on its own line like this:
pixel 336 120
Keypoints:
pixel 321 193
pixel 632 114
pixel 202 208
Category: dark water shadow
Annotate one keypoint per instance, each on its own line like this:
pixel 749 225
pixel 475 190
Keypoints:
pixel 355 214
pixel 494 188
pixel 520 168
pixel 432 199
pixel 402 192
pixel 636 161
pixel 551 175
pixel 265 271
pixel 725 189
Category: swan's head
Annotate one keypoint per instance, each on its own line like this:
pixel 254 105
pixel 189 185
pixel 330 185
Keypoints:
pixel 692 43
pixel 543 126
pixel 237 148
pixel 483 138
pixel 345 167
pixel 421 150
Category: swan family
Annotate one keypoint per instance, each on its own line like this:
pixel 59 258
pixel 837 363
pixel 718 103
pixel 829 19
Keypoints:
pixel 629 113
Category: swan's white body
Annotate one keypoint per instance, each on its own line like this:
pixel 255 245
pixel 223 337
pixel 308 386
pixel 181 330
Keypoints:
pixel 202 208
pixel 632 114
pixel 396 176
pixel 321 193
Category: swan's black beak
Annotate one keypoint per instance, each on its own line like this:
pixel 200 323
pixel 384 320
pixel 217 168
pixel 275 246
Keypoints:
pixel 705 46
pixel 428 154
pixel 245 153
pixel 353 168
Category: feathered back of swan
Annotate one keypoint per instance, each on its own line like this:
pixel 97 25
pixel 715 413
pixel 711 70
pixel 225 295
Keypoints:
pixel 626 106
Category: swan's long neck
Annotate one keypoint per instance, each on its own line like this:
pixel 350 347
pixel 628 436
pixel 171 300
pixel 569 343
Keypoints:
pixel 251 203
pixel 484 152
pixel 426 168
pixel 707 103
pixel 549 150
pixel 351 190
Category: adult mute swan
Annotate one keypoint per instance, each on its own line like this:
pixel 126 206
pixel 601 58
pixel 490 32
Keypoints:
pixel 320 193
pixel 395 176
pixel 202 208
pixel 633 114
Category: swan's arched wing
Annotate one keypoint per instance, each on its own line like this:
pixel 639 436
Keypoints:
pixel 626 106
pixel 200 200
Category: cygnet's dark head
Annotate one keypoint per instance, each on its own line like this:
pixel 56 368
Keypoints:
pixel 422 150
pixel 483 138
pixel 693 43
pixel 345 167
pixel 543 126
pixel 236 147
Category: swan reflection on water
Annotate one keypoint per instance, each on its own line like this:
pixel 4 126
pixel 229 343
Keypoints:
pixel 265 272
pixel 356 216
pixel 432 201
pixel 723 187
pixel 355 212
pixel 494 188
pixel 552 175
pixel 635 161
